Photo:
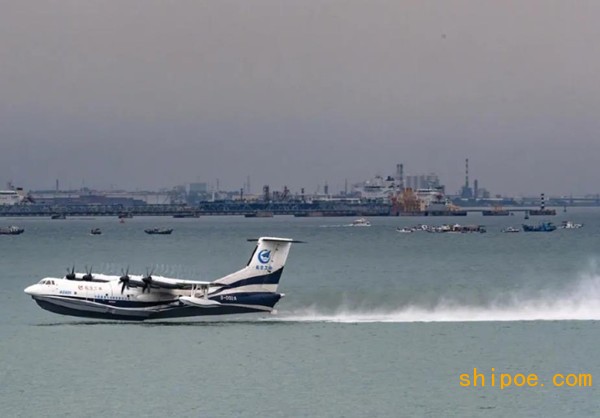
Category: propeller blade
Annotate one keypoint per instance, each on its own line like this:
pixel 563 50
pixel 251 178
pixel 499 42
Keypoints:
pixel 147 280
pixel 88 274
pixel 124 279
pixel 71 274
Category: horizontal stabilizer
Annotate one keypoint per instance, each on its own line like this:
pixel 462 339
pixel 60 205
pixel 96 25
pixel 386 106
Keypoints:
pixel 273 239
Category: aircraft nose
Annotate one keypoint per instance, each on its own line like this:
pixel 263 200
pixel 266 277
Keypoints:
pixel 30 290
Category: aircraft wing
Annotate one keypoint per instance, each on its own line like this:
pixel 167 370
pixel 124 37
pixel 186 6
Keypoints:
pixel 158 282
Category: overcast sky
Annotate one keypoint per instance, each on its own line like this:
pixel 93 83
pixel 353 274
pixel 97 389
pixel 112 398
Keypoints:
pixel 146 94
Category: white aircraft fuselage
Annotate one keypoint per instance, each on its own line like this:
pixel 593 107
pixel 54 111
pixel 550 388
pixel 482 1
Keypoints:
pixel 134 297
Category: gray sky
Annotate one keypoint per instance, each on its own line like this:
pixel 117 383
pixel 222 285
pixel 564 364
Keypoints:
pixel 147 94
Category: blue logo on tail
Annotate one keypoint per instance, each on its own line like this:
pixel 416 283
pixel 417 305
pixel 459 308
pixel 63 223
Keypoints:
pixel 264 256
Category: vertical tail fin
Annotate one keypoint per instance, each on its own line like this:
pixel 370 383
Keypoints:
pixel 263 271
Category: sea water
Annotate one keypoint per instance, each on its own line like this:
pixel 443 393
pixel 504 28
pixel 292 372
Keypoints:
pixel 374 322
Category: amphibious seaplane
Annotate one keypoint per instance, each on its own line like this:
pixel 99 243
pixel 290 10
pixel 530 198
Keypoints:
pixel 131 297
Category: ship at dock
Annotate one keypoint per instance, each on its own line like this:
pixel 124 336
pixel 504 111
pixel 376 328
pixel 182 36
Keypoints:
pixel 424 202
pixel 13 196
pixel 259 214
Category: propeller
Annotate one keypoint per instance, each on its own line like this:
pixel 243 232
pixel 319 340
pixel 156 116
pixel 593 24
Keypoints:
pixel 88 275
pixel 147 280
pixel 71 274
pixel 124 279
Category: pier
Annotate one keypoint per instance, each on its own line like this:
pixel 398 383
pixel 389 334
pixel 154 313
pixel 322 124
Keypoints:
pixel 232 208
pixel 203 209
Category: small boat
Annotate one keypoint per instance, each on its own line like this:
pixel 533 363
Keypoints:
pixel 11 230
pixel 542 227
pixel 183 215
pixel 259 214
pixel 96 231
pixel 511 229
pixel 404 230
pixel 467 228
pixel 570 225
pixel 158 231
pixel 360 222
pixel 58 216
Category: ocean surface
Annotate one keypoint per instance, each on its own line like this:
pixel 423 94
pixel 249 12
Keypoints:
pixel 375 323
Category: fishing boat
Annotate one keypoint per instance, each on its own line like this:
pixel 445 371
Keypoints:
pixel 360 222
pixel 11 230
pixel 158 231
pixel 542 227
pixel 570 225
pixel 467 228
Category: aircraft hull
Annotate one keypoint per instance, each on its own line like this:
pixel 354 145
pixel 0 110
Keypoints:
pixel 96 310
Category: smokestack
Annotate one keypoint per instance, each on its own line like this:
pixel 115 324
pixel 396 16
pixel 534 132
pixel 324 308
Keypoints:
pixel 400 177
pixel 466 173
